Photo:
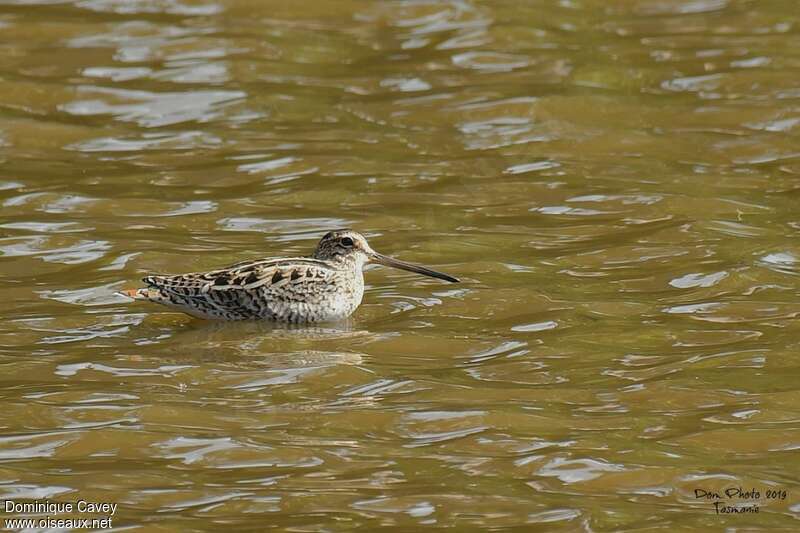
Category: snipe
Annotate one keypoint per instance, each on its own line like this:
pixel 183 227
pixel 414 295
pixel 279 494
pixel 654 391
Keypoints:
pixel 327 286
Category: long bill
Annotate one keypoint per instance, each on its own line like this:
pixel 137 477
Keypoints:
pixel 402 265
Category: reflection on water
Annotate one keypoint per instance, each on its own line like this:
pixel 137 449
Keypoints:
pixel 614 182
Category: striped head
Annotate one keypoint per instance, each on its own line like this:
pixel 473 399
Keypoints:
pixel 343 245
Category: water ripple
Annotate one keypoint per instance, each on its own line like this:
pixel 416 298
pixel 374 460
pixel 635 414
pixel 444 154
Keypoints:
pixel 151 110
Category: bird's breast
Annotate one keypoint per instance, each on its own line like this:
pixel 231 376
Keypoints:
pixel 336 298
pixel 347 295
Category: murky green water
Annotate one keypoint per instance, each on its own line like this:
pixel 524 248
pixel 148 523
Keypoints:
pixel 615 182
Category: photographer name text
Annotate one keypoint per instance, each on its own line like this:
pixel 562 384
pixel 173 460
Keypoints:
pixel 51 510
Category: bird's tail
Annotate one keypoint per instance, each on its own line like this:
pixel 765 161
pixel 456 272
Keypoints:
pixel 135 294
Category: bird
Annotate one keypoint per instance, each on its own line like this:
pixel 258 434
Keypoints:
pixel 327 286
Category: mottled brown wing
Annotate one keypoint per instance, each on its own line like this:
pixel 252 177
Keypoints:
pixel 246 276
pixel 271 275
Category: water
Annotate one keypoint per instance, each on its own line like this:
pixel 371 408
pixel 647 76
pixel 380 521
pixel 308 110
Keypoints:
pixel 615 183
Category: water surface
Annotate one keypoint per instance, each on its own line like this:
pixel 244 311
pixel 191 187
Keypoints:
pixel 615 182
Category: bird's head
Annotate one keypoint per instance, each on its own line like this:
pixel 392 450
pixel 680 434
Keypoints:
pixel 346 245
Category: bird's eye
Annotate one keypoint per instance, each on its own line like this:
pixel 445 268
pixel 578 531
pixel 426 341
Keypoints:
pixel 347 241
